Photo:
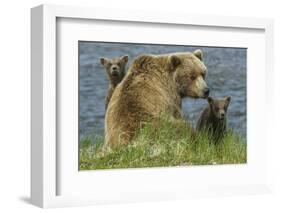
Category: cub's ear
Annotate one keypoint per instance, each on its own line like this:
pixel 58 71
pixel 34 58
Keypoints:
pixel 227 100
pixel 175 61
pixel 199 54
pixel 103 61
pixel 125 58
pixel 210 100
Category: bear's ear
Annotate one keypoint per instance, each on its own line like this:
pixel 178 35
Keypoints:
pixel 227 100
pixel 103 61
pixel 175 61
pixel 210 100
pixel 125 58
pixel 199 54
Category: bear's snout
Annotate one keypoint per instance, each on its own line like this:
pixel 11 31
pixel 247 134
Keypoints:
pixel 222 115
pixel 206 92
pixel 114 71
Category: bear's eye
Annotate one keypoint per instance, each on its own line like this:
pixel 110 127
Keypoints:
pixel 216 109
pixel 193 77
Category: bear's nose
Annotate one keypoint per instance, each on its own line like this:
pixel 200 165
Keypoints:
pixel 222 114
pixel 206 92
pixel 114 68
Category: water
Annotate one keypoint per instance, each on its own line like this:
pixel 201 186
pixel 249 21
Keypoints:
pixel 226 77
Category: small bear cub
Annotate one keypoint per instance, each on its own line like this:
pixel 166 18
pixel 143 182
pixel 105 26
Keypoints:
pixel 213 118
pixel 115 69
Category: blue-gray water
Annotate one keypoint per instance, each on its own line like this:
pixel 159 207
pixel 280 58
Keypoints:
pixel 226 77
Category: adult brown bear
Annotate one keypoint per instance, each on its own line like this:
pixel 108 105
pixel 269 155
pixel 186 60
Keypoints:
pixel 154 84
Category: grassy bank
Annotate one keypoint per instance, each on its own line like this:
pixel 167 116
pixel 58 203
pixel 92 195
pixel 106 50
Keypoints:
pixel 166 145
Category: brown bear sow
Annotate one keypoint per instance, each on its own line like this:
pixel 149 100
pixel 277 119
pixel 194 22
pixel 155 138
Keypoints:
pixel 213 118
pixel 154 85
pixel 115 69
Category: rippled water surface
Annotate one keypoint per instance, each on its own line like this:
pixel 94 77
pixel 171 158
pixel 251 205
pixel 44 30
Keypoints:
pixel 226 77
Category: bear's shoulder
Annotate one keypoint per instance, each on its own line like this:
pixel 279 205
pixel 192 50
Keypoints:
pixel 142 62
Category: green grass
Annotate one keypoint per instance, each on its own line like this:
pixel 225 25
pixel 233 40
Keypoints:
pixel 167 145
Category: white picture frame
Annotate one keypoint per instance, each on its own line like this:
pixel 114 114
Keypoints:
pixel 44 153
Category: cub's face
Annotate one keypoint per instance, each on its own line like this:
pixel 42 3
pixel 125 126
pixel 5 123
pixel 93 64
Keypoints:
pixel 219 106
pixel 115 67
pixel 189 74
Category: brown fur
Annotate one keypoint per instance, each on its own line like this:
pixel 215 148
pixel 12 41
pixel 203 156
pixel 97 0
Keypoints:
pixel 115 69
pixel 154 85
pixel 213 118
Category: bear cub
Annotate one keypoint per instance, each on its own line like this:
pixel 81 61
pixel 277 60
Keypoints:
pixel 213 118
pixel 115 69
